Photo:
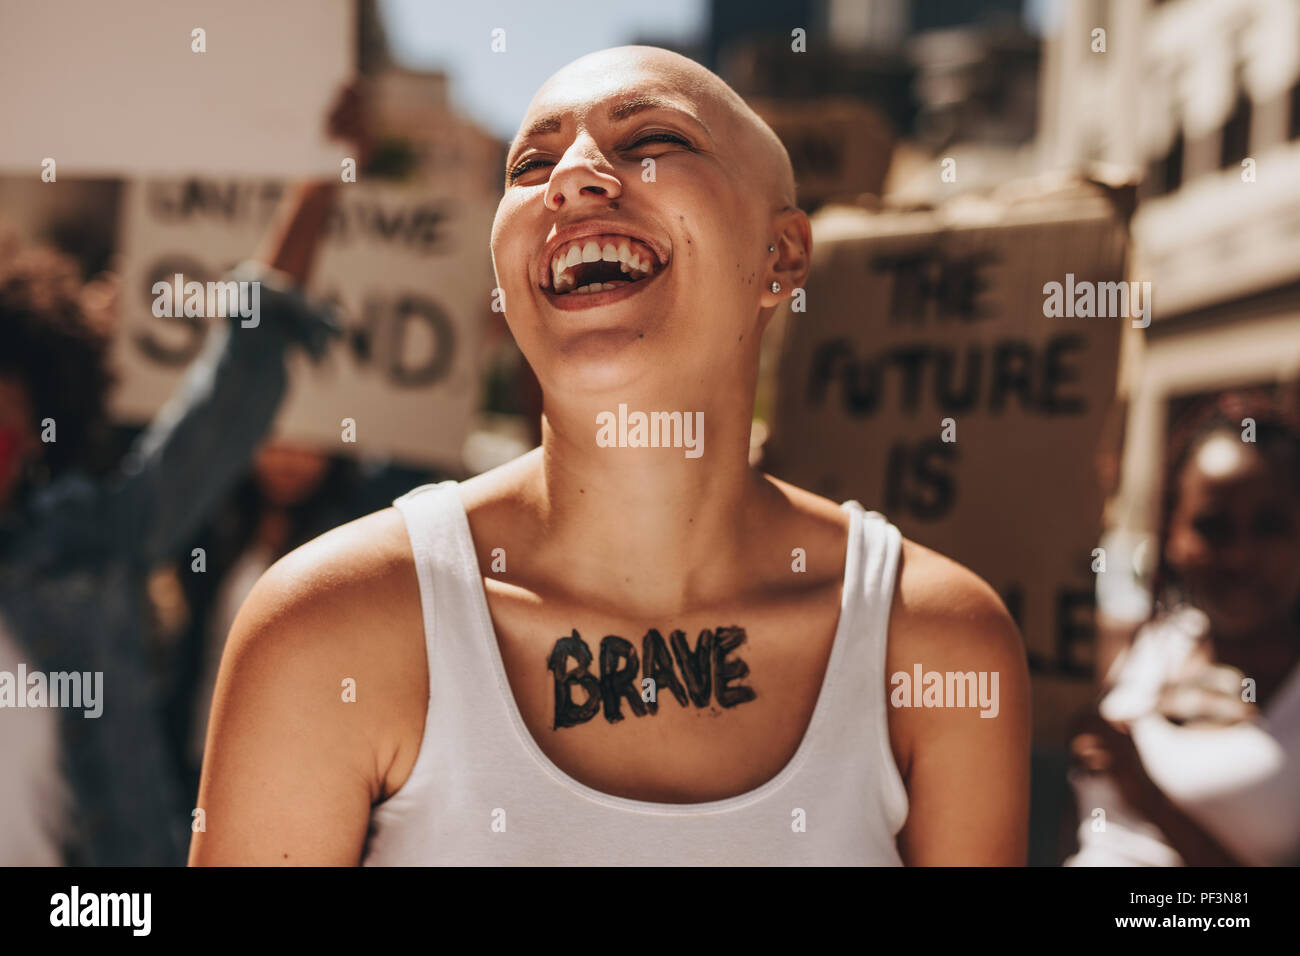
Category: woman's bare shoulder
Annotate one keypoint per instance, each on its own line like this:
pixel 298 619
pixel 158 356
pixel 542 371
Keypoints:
pixel 358 567
pixel 344 604
pixel 505 487
pixel 320 700
pixel 943 614
pixel 947 620
pixel 943 607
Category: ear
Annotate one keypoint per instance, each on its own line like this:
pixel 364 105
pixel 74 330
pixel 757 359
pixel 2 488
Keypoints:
pixel 788 264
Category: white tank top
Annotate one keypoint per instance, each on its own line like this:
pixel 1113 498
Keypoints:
pixel 481 792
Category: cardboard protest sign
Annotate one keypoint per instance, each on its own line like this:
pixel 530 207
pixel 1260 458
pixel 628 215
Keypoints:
pixel 407 267
pixel 123 88
pixel 925 381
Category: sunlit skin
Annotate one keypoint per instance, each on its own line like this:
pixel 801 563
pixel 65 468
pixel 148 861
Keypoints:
pixel 612 541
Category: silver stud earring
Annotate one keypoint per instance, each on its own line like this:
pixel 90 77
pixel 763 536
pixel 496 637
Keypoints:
pixel 771 248
pixel 775 286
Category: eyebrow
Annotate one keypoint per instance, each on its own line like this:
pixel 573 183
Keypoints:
pixel 618 112
pixel 638 104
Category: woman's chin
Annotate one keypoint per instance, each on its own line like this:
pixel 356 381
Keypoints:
pixel 600 361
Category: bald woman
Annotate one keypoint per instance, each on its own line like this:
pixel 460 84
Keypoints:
pixel 627 646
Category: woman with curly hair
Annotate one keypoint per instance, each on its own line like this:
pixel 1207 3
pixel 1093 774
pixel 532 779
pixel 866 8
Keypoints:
pixel 96 785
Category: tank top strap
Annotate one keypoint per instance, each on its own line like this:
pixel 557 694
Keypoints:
pixel 870 578
pixel 871 569
pixel 450 582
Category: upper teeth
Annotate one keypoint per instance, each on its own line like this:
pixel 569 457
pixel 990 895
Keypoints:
pixel 634 258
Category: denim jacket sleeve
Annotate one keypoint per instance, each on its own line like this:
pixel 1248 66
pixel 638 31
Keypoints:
pixel 203 438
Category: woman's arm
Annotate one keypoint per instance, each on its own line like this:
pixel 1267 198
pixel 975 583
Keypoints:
pixel 322 677
pixel 967 775
pixel 201 442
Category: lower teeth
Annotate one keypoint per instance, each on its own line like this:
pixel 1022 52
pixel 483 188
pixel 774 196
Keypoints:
pixel 600 287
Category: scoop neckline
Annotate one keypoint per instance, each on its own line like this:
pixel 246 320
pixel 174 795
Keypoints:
pixel 487 633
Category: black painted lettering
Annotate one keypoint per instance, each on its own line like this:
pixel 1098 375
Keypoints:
pixel 947 394
pixel 618 669
pixel 657 664
pixel 726 640
pixel 416 309
pixel 1056 374
pixel 1012 364
pixel 1075 631
pixel 911 363
pixel 567 713
pixel 697 667
pixel 820 374
pixel 930 463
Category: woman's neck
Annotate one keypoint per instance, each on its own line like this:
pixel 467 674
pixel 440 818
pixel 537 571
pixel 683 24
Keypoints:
pixel 649 526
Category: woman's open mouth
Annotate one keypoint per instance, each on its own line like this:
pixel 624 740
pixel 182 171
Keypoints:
pixel 596 270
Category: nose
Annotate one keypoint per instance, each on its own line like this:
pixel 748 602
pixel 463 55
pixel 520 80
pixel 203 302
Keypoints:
pixel 582 174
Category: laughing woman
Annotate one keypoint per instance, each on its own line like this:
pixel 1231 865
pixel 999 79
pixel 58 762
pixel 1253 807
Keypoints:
pixel 599 653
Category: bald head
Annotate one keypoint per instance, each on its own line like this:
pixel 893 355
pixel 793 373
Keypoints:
pixel 730 121
pixel 651 162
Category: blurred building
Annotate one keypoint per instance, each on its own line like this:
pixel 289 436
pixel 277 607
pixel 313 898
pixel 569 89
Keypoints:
pixel 1201 99
pixel 421 136
pixel 977 89
pixel 893 54
pixel 898 83
pixel 850 52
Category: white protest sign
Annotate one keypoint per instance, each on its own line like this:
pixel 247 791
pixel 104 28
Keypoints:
pixel 123 88
pixel 408 268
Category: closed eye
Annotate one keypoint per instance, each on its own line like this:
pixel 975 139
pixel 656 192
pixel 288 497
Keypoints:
pixel 660 138
pixel 523 166
pixel 527 165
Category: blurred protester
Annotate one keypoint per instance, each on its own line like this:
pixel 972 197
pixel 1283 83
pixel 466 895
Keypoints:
pixel 1193 755
pixel 75 552
pixel 294 494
